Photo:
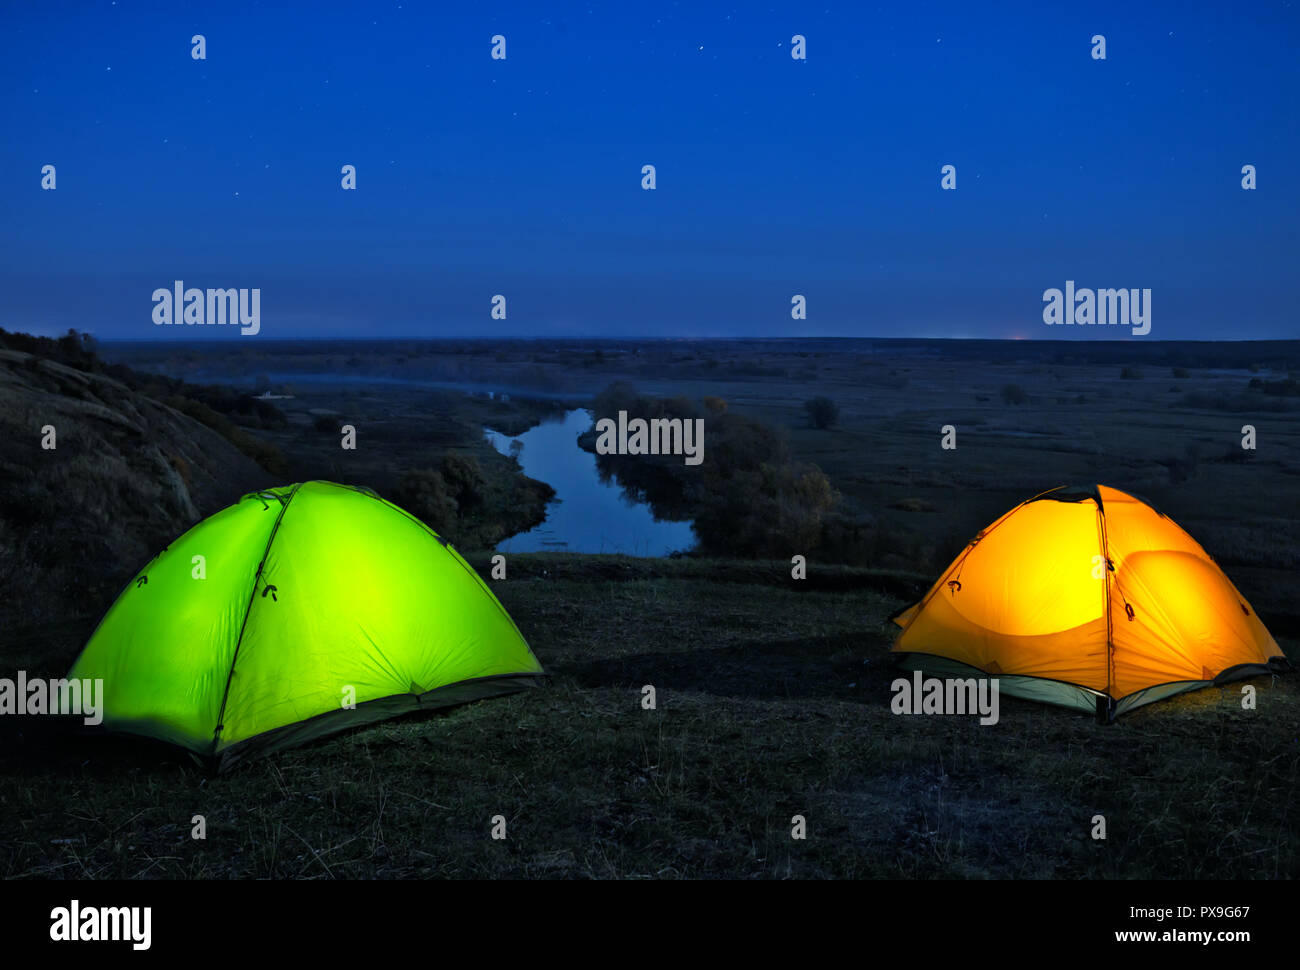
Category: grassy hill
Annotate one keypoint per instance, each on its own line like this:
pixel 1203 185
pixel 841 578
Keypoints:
pixel 772 700
pixel 128 474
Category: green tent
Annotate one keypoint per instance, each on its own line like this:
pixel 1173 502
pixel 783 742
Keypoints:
pixel 298 612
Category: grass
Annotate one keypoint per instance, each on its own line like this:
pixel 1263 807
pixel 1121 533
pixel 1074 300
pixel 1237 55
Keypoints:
pixel 762 713
pixel 773 695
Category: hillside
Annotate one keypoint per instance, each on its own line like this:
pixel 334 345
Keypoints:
pixel 128 474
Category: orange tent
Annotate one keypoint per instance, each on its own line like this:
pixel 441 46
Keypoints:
pixel 1089 598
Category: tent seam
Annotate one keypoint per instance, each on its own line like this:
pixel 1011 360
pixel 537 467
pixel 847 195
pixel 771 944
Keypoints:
pixel 248 610
pixel 1110 613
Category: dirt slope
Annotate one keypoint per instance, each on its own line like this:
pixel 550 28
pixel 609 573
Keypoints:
pixel 127 474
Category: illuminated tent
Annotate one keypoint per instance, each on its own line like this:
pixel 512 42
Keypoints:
pixel 1088 598
pixel 296 613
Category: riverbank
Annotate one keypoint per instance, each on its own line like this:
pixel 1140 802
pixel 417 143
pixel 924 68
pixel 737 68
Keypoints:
pixel 424 449
pixel 590 512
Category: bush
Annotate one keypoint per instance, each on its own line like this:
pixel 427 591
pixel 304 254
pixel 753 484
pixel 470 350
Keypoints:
pixel 423 492
pixel 748 499
pixel 823 411
pixel 767 512
pixel 73 349
pixel 464 480
pixel 1130 374
pixel 1287 388
pixel 619 396
pixel 264 453
pixel 1014 394
pixel 450 499
pixel 1183 468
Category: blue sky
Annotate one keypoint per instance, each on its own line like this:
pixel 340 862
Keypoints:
pixel 775 177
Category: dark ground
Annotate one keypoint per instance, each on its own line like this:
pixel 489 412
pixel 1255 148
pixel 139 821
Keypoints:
pixel 773 696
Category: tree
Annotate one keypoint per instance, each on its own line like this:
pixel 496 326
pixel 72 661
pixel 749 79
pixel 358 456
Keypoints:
pixel 823 411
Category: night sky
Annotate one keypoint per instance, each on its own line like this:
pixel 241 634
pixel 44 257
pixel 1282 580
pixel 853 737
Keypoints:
pixel 775 177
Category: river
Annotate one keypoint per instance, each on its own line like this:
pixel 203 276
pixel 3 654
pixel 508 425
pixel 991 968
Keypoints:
pixel 588 515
